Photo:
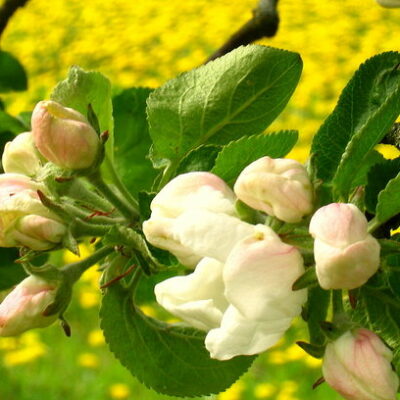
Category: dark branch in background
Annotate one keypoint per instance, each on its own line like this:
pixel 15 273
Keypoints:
pixel 7 11
pixel 264 23
pixel 393 136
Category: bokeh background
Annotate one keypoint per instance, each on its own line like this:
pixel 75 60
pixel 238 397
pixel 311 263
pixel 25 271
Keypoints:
pixel 145 43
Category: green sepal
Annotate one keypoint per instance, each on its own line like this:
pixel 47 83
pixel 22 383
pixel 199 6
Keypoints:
pixel 312 349
pixel 308 279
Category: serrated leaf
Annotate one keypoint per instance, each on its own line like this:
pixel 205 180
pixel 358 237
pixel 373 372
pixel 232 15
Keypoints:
pixel 132 140
pixel 82 88
pixel 389 201
pixel 200 159
pixel 10 272
pixel 378 178
pixel 235 156
pixel 12 74
pixel 236 95
pixel 168 359
pixel 366 110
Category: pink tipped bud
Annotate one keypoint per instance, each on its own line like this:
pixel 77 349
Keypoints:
pixel 64 136
pixel 278 187
pixel 346 255
pixel 20 155
pixel 358 366
pixel 24 307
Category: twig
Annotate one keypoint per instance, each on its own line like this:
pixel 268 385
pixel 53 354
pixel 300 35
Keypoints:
pixel 393 136
pixel 8 10
pixel 264 23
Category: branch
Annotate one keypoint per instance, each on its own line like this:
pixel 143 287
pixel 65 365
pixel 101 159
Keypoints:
pixel 7 11
pixel 264 23
pixel 393 136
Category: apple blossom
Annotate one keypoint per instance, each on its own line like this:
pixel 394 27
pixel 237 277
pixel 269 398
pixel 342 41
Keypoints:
pixel 25 305
pixel 346 255
pixel 24 220
pixel 20 155
pixel 245 303
pixel 358 366
pixel 64 136
pixel 278 187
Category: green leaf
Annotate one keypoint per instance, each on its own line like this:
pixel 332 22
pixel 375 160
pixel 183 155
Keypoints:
pixel 10 272
pixel 389 201
pixel 12 74
pixel 200 159
pixel 170 360
pixel 236 95
pixel 378 178
pixel 235 156
pixel 365 112
pixel 8 123
pixel 315 312
pixel 132 140
pixel 82 88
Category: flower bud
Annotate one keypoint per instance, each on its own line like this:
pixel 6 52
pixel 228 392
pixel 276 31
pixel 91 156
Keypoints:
pixel 24 307
pixel 24 220
pixel 389 3
pixel 64 136
pixel 20 155
pixel 346 255
pixel 279 187
pixel 358 366
pixel 194 190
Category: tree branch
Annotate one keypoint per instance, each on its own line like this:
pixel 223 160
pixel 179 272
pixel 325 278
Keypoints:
pixel 264 23
pixel 7 11
pixel 393 136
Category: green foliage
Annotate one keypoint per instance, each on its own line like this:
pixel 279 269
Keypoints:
pixel 378 178
pixel 10 272
pixel 389 201
pixel 237 95
pixel 12 74
pixel 366 110
pixel 82 88
pixel 200 159
pixel 132 140
pixel 171 360
pixel 235 156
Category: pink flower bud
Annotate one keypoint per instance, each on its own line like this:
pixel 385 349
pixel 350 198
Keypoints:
pixel 64 136
pixel 194 190
pixel 24 220
pixel 20 155
pixel 358 366
pixel 389 3
pixel 346 255
pixel 23 308
pixel 278 187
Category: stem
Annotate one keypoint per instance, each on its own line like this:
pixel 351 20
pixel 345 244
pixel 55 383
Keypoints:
pixel 75 270
pixel 168 172
pixel 128 211
pixel 373 225
pixel 90 218
pixel 337 303
pixel 81 228
pixel 120 185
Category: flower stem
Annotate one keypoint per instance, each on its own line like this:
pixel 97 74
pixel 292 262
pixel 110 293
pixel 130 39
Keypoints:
pixel 74 271
pixel 337 303
pixel 126 209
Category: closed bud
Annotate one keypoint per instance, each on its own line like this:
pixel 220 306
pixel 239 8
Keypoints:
pixel 358 366
pixel 64 136
pixel 278 187
pixel 25 306
pixel 24 220
pixel 20 155
pixel 346 255
pixel 389 3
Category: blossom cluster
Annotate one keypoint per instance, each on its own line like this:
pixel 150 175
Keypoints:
pixel 240 292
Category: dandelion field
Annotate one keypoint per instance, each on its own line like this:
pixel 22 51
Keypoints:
pixel 145 44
